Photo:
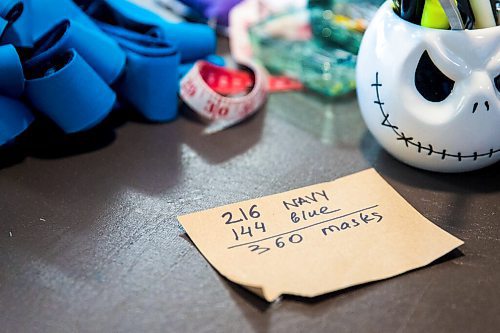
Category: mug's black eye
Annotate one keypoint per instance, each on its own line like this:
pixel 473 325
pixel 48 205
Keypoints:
pixel 497 82
pixel 430 82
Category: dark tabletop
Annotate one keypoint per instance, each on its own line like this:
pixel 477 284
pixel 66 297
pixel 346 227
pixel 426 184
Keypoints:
pixel 89 239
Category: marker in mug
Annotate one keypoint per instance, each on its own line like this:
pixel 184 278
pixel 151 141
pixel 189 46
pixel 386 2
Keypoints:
pixel 467 14
pixel 498 12
pixel 494 4
pixel 434 15
pixel 411 10
pixel 396 5
pixel 454 18
pixel 483 14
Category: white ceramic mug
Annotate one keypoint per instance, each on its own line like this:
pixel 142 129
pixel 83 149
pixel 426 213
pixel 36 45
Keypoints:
pixel 429 96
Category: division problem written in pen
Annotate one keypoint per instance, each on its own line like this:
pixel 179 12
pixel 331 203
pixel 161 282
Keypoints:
pixel 250 227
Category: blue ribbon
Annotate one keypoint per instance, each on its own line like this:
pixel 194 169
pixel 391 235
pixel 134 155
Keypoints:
pixel 78 55
pixel 15 118
pixel 10 10
pixel 98 50
pixel 11 72
pixel 213 58
pixel 194 41
pixel 150 82
pixel 69 91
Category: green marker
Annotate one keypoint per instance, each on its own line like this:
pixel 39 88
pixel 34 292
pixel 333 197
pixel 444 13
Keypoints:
pixel 434 15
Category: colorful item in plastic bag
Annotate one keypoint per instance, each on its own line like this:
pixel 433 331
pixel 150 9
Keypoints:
pixel 323 69
pixel 342 23
pixel 249 13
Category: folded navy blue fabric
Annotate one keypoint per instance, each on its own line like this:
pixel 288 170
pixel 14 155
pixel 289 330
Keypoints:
pixel 194 41
pixel 72 59
pixel 15 118
pixel 213 58
pixel 68 91
pixel 40 16
pixel 11 72
pixel 10 10
pixel 98 50
pixel 150 82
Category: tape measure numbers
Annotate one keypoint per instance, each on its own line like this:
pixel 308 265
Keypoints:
pixel 203 86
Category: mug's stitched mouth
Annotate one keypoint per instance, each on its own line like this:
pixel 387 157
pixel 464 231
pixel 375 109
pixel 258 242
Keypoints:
pixel 428 149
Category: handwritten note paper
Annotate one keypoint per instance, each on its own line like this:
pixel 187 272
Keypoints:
pixel 318 239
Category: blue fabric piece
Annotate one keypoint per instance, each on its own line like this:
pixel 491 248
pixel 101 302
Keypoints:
pixel 10 10
pixel 68 91
pixel 98 50
pixel 73 51
pixel 40 16
pixel 150 81
pixel 3 25
pixel 11 72
pixel 216 59
pixel 15 118
pixel 194 41
pixel 213 58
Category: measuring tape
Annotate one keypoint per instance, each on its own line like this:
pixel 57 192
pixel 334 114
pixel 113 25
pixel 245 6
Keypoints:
pixel 206 89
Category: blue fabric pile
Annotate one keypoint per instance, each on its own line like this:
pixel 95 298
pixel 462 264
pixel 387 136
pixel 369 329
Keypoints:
pixel 72 60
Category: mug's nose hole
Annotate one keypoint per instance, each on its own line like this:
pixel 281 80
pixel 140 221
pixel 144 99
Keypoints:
pixel 476 105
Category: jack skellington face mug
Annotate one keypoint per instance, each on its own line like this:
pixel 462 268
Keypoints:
pixel 431 97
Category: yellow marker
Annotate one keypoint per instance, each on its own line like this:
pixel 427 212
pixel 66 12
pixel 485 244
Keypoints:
pixel 434 16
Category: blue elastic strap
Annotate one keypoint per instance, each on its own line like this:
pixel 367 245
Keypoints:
pixel 69 91
pixel 98 50
pixel 150 80
pixel 73 62
pixel 10 10
pixel 194 41
pixel 213 58
pixel 40 16
pixel 11 72
pixel 14 119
